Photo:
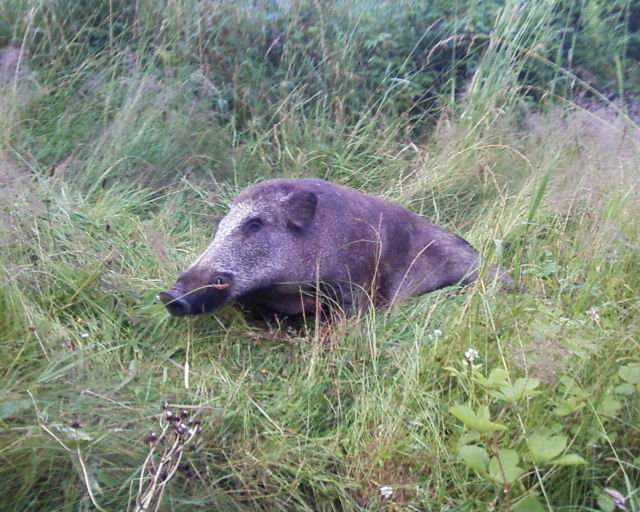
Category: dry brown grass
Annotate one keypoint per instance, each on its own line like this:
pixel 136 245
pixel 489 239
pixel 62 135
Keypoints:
pixel 18 199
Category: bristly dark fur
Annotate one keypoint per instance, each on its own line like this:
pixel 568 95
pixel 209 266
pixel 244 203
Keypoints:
pixel 284 241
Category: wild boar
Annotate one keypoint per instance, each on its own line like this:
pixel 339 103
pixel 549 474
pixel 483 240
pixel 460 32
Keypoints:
pixel 286 243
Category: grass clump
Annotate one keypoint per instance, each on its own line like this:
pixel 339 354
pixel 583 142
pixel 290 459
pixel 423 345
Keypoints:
pixel 118 155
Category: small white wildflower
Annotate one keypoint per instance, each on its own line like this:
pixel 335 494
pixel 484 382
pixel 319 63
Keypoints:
pixel 386 492
pixel 84 335
pixel 471 354
pixel 593 314
pixel 437 332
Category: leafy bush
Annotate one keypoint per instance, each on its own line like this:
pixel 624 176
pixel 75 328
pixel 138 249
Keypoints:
pixel 249 67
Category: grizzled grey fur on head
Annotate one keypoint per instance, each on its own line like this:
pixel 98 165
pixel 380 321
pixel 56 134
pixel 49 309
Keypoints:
pixel 286 243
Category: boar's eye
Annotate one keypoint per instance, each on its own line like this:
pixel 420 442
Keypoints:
pixel 254 225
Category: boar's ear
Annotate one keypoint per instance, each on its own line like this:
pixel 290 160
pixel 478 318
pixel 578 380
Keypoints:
pixel 300 208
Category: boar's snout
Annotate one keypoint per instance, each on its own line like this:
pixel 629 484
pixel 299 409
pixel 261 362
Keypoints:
pixel 175 303
pixel 192 294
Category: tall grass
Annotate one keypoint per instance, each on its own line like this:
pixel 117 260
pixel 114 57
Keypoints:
pixel 117 158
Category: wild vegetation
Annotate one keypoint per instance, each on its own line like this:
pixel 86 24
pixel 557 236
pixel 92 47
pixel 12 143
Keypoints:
pixel 127 127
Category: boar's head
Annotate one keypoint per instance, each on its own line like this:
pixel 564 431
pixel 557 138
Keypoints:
pixel 260 245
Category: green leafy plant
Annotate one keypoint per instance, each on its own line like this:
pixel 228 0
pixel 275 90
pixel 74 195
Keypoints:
pixel 498 459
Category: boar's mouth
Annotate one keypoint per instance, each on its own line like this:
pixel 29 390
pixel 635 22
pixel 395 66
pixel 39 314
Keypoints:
pixel 180 302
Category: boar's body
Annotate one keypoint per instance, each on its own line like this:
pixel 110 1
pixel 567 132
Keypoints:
pixel 286 242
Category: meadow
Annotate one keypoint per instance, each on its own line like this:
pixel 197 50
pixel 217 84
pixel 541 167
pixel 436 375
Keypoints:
pixel 126 128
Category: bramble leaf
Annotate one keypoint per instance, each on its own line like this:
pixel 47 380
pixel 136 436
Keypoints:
pixel 568 406
pixel 625 389
pixel 630 373
pixel 504 467
pixel 529 504
pixel 609 406
pixel 479 421
pixel 571 459
pixel 464 413
pixel 521 388
pixel 543 449
pixel 497 377
pixel 475 457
